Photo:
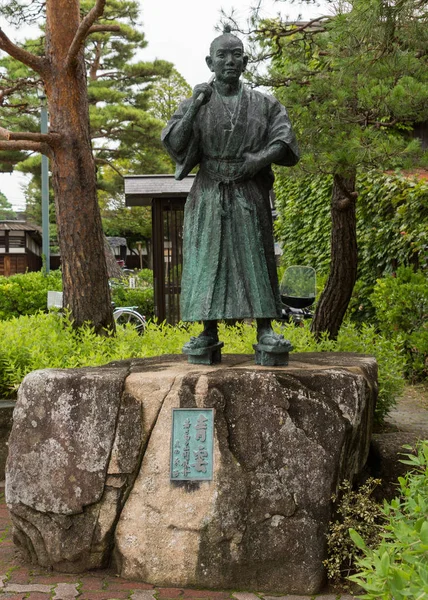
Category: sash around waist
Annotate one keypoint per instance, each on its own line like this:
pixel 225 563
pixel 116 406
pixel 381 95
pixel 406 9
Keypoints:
pixel 222 169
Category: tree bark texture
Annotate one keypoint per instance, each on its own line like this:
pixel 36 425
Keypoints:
pixel 84 271
pixel 337 293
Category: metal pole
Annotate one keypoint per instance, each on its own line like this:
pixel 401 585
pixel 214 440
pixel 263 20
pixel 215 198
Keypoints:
pixel 45 190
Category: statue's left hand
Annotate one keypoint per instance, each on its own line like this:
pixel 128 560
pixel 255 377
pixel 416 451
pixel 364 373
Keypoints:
pixel 250 167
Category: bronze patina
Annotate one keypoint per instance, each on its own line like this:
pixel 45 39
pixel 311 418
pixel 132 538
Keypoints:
pixel 234 134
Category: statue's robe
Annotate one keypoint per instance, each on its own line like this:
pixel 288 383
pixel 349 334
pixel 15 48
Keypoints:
pixel 229 269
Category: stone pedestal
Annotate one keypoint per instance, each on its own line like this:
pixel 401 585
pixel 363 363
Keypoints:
pixel 284 437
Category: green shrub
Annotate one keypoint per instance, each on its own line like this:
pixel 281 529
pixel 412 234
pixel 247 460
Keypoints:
pixel 354 509
pixel 26 294
pixel 401 304
pixel 398 568
pixel 48 340
pixel 142 298
pixel 143 277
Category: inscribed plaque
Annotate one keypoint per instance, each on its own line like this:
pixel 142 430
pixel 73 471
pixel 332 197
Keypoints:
pixel 192 444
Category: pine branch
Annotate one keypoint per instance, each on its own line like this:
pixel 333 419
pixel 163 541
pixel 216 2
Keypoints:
pixel 313 26
pixel 26 145
pixel 36 63
pixel 83 31
pixel 103 161
pixel 103 28
pixel 17 85
pixel 45 138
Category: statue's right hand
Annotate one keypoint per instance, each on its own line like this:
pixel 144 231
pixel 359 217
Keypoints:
pixel 205 89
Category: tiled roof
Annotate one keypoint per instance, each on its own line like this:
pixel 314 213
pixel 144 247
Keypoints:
pixel 140 189
pixel 19 226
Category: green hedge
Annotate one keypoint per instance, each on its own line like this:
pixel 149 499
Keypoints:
pixel 401 305
pixel 48 340
pixel 392 227
pixel 26 294
pixel 142 299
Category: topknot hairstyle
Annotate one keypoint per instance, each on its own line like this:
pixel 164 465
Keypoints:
pixel 227 32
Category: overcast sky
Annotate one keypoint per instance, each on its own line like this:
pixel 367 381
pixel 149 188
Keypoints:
pixel 181 33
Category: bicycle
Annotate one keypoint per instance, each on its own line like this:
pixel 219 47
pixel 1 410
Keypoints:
pixel 124 315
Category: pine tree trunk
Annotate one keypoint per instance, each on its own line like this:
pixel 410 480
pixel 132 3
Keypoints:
pixel 84 271
pixel 337 293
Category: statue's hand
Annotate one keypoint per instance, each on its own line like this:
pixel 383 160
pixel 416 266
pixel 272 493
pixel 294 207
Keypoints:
pixel 205 89
pixel 250 167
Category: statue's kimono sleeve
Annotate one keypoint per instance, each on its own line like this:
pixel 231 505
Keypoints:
pixel 280 130
pixel 191 156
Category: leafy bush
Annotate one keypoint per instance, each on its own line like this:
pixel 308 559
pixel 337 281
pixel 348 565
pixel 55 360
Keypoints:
pixel 354 509
pixel 26 293
pixel 145 277
pixel 43 341
pixel 398 568
pixel 401 304
pixel 142 298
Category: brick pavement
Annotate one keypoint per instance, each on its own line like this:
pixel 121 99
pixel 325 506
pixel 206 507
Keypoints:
pixel 20 580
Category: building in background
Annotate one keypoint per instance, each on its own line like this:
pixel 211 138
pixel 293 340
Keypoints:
pixel 20 247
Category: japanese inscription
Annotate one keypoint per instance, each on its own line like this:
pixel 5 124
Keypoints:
pixel 192 444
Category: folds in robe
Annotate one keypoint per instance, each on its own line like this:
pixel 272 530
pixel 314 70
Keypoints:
pixel 229 269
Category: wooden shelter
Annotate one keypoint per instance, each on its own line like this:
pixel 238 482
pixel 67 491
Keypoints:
pixel 20 247
pixel 167 197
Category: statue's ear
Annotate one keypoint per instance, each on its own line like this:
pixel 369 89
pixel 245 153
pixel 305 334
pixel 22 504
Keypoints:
pixel 209 62
pixel 244 62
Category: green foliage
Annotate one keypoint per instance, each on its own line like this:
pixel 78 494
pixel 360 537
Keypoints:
pixel 166 94
pixel 25 294
pixel 401 304
pixel 303 223
pixel 354 509
pixel 6 209
pixel 392 213
pixel 134 223
pixel 392 228
pixel 351 87
pixel 141 298
pixel 392 223
pixel 20 105
pixel 32 342
pixel 398 568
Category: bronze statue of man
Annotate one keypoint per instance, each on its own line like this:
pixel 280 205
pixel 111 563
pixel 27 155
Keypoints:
pixel 234 134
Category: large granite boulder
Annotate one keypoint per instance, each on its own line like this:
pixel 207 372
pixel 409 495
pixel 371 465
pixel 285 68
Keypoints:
pixel 90 459
pixel 74 452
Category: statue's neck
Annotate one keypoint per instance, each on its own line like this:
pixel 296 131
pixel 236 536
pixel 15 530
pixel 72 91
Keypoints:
pixel 227 89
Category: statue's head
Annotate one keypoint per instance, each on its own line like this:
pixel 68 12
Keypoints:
pixel 227 59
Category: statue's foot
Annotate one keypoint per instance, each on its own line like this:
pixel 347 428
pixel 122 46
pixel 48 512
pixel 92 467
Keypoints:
pixel 272 349
pixel 274 340
pixel 200 342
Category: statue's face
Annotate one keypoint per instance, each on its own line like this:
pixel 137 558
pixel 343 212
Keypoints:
pixel 227 59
